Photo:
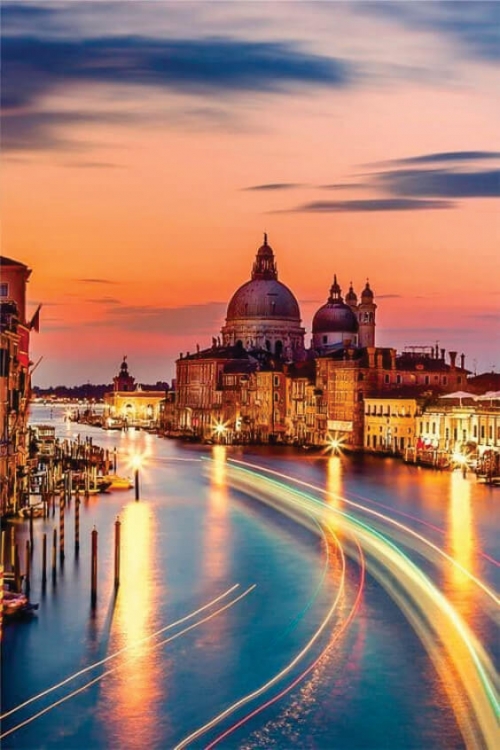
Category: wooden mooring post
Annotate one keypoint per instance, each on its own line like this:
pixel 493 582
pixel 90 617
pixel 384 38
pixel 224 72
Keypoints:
pixel 54 555
pixel 93 569
pixel 44 560
pixel 77 523
pixel 27 569
pixel 61 529
pixel 117 552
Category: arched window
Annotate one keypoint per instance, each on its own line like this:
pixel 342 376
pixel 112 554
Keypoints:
pixel 278 348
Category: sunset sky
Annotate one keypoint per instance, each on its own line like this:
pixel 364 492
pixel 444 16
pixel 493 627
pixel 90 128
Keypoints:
pixel 148 145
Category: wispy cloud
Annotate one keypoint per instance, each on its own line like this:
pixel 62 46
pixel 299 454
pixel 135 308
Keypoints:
pixel 344 186
pixel 104 301
pixel 369 205
pixel 470 26
pixel 92 165
pixel 173 321
pixel 440 157
pixel 34 67
pixel 441 183
pixel 97 281
pixel 274 186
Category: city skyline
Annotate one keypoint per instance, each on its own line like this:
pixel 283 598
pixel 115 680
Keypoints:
pixel 148 147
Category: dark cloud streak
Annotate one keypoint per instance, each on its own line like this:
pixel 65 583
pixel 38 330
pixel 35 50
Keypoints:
pixel 273 186
pixel 441 183
pixel 370 205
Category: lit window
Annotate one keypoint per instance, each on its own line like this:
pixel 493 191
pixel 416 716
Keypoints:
pixel 4 289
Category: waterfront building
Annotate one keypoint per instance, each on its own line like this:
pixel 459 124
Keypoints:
pixel 199 387
pixel 129 404
pixel 15 384
pixel 344 378
pixel 167 419
pixel 300 401
pixel 259 383
pixel 460 426
pixel 390 422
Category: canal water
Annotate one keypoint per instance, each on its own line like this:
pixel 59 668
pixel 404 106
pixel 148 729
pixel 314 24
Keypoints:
pixel 219 593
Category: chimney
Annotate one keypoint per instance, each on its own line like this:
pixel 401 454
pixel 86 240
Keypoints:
pixel 442 354
pixel 453 357
pixel 462 361
pixel 393 359
pixel 180 355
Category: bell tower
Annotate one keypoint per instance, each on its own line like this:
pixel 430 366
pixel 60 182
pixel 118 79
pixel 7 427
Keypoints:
pixel 124 381
pixel 366 317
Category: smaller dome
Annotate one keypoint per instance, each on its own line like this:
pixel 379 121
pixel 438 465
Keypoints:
pixel 351 298
pixel 335 318
pixel 367 292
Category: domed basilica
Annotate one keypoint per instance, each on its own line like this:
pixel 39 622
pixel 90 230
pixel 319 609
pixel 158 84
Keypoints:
pixel 264 314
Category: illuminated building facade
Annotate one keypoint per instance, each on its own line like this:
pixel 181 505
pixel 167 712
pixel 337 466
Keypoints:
pixel 129 405
pixel 259 383
pixel 390 423
pixel 15 384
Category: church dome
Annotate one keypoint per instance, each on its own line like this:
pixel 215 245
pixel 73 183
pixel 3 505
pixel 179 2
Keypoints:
pixel 367 293
pixel 335 316
pixel 263 296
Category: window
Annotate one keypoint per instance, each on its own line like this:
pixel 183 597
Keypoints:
pixel 4 289
pixel 482 432
pixel 398 379
pixel 387 378
pixel 445 380
pixel 474 431
pixel 490 431
pixel 426 380
pixel 276 396
pixel 276 381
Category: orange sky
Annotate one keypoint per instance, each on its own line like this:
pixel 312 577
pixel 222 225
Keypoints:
pixel 128 163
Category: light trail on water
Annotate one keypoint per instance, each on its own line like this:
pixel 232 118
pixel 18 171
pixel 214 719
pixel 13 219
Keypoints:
pixel 291 665
pixel 464 666
pixel 378 515
pixel 118 653
pixel 119 666
pixel 335 637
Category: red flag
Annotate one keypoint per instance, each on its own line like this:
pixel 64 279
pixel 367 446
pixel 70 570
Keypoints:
pixel 35 320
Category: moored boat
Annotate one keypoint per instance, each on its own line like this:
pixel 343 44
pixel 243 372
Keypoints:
pixel 118 483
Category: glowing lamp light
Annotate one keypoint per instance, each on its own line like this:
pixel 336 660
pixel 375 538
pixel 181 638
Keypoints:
pixel 136 461
pixel 459 459
pixel 219 429
pixel 334 444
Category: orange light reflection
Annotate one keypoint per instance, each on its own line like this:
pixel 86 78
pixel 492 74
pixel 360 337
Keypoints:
pixel 137 687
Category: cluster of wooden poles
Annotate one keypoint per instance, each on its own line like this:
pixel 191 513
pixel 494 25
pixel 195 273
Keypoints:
pixel 14 574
